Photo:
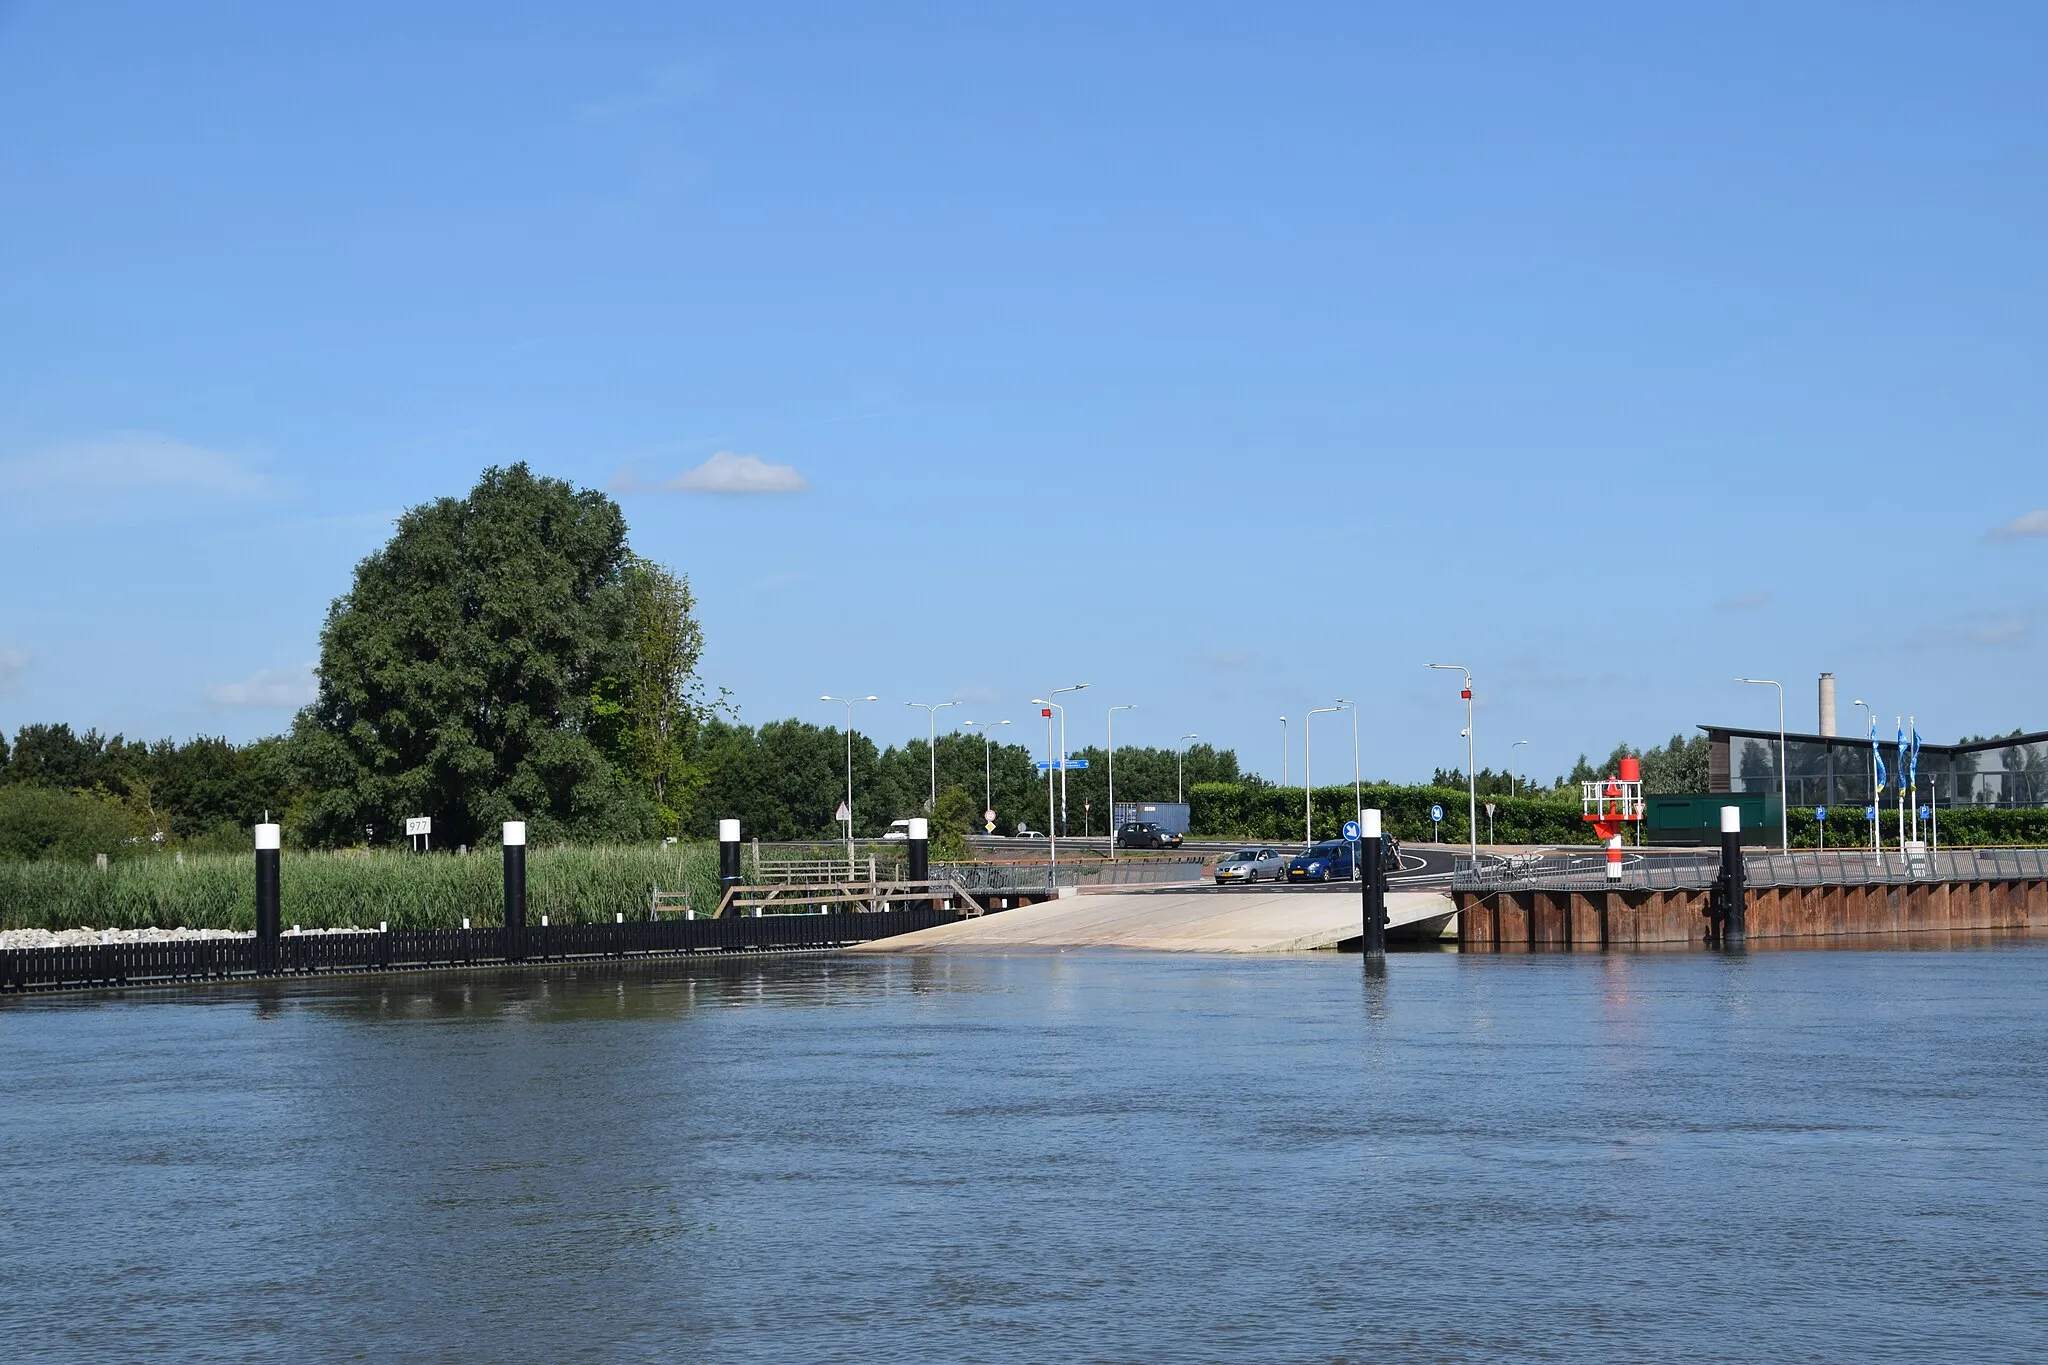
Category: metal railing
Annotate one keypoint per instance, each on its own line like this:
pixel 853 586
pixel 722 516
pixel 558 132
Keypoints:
pixel 1697 871
pixel 1040 877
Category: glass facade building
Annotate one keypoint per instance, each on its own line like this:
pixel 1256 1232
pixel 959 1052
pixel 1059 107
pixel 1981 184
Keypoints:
pixel 1823 770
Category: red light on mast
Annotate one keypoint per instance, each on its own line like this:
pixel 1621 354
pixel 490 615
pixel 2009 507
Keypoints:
pixel 1047 713
pixel 1465 693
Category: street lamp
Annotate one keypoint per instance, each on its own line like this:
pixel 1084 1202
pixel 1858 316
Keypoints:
pixel 1471 781
pixel 1112 775
pixel 1177 768
pixel 849 701
pixel 933 709
pixel 1784 815
pixel 1511 764
pixel 1308 808
pixel 1357 787
pixel 1871 730
pixel 1077 687
pixel 987 785
pixel 1283 751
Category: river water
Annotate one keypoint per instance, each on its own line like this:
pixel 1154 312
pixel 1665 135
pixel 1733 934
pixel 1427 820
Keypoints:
pixel 1099 1157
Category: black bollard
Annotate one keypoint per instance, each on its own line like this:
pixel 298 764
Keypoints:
pixel 515 890
pixel 1734 906
pixel 728 857
pixel 269 903
pixel 920 856
pixel 1374 882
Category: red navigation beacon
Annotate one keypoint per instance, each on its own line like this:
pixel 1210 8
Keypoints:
pixel 1612 805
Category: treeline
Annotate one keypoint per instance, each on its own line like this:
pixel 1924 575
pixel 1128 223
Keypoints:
pixel 1278 814
pixel 71 795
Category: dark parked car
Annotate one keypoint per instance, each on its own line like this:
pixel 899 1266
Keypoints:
pixel 1145 834
pixel 1328 861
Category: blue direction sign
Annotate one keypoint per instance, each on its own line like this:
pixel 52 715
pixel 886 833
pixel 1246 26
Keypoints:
pixel 1870 812
pixel 1351 829
pixel 1820 813
pixel 1074 763
pixel 1436 813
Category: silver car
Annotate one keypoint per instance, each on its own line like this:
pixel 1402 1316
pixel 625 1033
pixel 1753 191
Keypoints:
pixel 1251 865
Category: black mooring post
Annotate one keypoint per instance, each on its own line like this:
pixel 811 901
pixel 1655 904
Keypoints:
pixel 1374 882
pixel 728 857
pixel 515 890
pixel 920 855
pixel 269 904
pixel 1734 907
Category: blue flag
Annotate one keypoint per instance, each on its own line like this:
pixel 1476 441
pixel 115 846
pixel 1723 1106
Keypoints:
pixel 1913 766
pixel 1876 759
pixel 1902 753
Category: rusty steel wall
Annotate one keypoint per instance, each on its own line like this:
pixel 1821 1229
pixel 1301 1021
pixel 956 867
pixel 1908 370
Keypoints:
pixel 1567 919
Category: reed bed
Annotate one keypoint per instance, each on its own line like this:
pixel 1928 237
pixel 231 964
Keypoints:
pixel 337 890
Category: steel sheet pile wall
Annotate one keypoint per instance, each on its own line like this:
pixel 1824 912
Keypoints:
pixel 1569 917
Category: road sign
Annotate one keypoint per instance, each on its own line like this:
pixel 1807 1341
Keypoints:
pixel 1351 829
pixel 1436 813
pixel 1870 812
pixel 842 815
pixel 1925 812
pixel 989 816
pixel 1820 813
pixel 418 824
pixel 989 825
pixel 1489 810
pixel 1074 763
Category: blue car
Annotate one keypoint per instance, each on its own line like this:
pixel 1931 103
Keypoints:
pixel 1328 861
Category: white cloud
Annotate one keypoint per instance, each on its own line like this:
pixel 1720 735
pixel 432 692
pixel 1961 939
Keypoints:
pixel 1744 601
pixel 271 688
pixel 2028 527
pixel 724 472
pixel 131 462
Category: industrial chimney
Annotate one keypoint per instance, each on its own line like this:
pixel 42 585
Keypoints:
pixel 1827 704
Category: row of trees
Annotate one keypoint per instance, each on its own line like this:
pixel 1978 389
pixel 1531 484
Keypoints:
pixel 1678 768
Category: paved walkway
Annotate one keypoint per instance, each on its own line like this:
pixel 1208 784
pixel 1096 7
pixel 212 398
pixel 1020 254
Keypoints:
pixel 1234 921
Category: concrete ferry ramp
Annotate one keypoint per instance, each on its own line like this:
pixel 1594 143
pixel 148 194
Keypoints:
pixel 1232 921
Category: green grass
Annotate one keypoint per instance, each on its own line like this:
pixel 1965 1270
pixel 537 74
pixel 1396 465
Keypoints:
pixel 333 890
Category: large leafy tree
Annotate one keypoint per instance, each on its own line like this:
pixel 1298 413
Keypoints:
pixel 459 675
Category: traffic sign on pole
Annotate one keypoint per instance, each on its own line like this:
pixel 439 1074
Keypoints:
pixel 842 815
pixel 1820 813
pixel 1351 829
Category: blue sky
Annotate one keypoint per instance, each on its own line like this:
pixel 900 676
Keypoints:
pixel 1228 358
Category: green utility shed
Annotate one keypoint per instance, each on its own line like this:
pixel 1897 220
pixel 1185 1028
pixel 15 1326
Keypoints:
pixel 1697 819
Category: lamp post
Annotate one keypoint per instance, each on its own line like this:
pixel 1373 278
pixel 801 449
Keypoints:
pixel 848 702
pixel 1871 730
pixel 1784 815
pixel 1077 687
pixel 1177 765
pixel 1471 781
pixel 987 784
pixel 1357 785
pixel 1511 764
pixel 933 709
pixel 1308 800
pixel 1112 775
pixel 1283 751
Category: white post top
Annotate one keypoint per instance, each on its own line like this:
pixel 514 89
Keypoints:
pixel 515 834
pixel 1368 823
pixel 1731 819
pixel 266 838
pixel 920 829
pixel 728 831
